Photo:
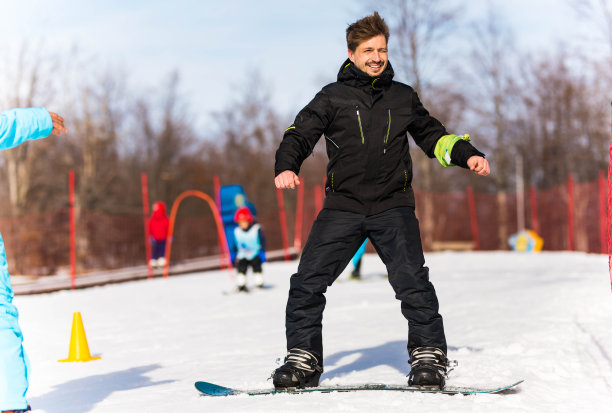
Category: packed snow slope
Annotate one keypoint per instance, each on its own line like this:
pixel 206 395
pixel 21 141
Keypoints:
pixel 545 318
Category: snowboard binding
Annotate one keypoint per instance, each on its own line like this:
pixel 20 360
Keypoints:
pixel 429 368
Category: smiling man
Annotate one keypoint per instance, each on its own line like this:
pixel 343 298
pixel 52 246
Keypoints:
pixel 365 117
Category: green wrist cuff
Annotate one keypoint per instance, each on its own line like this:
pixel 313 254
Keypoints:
pixel 444 147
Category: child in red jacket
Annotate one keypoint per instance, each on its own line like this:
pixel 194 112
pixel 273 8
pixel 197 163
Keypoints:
pixel 158 234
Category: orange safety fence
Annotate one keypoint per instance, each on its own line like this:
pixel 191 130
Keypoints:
pixel 40 244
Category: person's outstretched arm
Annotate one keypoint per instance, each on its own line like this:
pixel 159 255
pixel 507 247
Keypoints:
pixel 20 125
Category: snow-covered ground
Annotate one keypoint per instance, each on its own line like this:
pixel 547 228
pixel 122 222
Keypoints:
pixel 545 318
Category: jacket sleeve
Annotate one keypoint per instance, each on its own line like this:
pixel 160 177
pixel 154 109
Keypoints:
pixel 301 137
pixel 424 128
pixel 20 125
pixel 427 130
pixel 462 151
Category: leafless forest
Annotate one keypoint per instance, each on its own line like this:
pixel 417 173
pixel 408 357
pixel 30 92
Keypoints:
pixel 549 108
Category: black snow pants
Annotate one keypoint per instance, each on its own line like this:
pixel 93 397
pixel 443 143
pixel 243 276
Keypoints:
pixel 335 237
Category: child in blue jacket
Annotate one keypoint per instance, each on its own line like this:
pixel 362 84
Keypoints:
pixel 249 248
pixel 16 127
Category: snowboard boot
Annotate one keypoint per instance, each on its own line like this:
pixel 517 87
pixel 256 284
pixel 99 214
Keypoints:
pixel 301 369
pixel 427 368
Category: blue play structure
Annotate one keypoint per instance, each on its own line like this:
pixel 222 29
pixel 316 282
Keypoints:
pixel 233 197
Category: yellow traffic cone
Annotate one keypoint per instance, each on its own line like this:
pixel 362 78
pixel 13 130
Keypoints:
pixel 79 350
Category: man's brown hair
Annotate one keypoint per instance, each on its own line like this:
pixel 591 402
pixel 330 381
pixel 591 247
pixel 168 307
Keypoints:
pixel 364 29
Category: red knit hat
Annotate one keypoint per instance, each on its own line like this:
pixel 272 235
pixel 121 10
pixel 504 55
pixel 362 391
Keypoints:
pixel 243 214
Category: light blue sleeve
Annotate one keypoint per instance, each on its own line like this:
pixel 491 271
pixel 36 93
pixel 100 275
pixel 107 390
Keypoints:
pixel 20 125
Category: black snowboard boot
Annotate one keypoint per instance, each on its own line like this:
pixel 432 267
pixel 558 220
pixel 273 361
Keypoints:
pixel 301 369
pixel 427 368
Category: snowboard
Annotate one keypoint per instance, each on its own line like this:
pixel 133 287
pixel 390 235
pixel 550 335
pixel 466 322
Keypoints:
pixel 211 389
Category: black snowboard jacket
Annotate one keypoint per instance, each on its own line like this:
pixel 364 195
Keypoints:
pixel 365 121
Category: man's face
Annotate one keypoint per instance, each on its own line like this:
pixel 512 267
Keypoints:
pixel 244 224
pixel 371 55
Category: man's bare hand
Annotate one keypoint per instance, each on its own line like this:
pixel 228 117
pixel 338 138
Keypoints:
pixel 58 124
pixel 479 165
pixel 286 179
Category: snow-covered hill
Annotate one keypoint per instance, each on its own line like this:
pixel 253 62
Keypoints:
pixel 545 318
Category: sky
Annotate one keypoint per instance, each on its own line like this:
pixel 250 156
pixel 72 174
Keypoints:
pixel 295 46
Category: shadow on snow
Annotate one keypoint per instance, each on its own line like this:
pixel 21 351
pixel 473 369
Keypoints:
pixel 81 395
pixel 393 354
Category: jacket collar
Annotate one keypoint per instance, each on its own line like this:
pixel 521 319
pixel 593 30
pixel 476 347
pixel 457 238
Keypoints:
pixel 351 75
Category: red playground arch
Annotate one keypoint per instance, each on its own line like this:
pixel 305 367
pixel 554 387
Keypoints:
pixel 224 255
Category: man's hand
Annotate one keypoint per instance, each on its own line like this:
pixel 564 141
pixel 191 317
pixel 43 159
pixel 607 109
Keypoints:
pixel 286 179
pixel 58 124
pixel 479 165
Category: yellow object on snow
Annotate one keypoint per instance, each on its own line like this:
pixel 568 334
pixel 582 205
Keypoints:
pixel 79 349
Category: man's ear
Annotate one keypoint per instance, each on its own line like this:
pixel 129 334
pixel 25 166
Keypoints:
pixel 351 55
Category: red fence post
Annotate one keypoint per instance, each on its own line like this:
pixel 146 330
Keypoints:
pixel 72 231
pixel 533 203
pixel 570 212
pixel 299 216
pixel 283 221
pixel 145 214
pixel 473 218
pixel 603 213
pixel 609 228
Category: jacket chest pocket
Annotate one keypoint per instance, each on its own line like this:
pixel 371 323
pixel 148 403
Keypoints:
pixel 360 124
pixel 388 130
pixel 332 182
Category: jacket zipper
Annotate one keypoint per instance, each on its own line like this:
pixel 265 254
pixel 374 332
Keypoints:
pixel 332 182
pixel 333 143
pixel 405 179
pixel 388 129
pixel 360 127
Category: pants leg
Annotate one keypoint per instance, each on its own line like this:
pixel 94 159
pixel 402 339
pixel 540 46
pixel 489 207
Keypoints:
pixel 333 240
pixel 256 265
pixel 159 249
pixel 257 272
pixel 395 235
pixel 14 364
pixel 242 266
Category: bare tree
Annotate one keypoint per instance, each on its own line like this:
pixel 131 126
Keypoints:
pixel 418 28
pixel 567 126
pixel 96 128
pixel 30 83
pixel 164 139
pixel 599 12
pixel 248 132
pixel 493 75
